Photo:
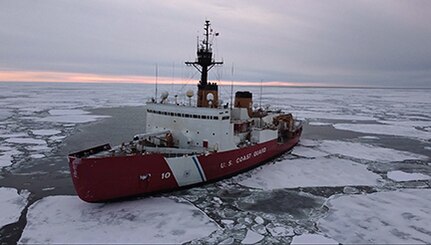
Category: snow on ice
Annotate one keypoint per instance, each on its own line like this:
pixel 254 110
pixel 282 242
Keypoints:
pixel 67 219
pixel 312 239
pixel 395 217
pixel 307 152
pixel 252 237
pixel 29 141
pixel 366 151
pixel 46 132
pixel 6 155
pixel 398 175
pixel 11 205
pixel 409 132
pixel 295 173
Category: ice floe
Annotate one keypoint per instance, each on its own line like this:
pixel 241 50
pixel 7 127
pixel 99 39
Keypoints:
pixel 398 175
pixel 11 205
pixel 312 239
pixel 404 131
pixel 67 219
pixel 29 141
pixel 6 155
pixel 252 237
pixel 319 124
pixel 366 151
pixel 71 116
pixel 311 173
pixel 46 132
pixel 4 113
pixel 307 152
pixel 396 217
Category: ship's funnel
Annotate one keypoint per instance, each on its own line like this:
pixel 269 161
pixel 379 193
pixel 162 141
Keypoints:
pixel 244 99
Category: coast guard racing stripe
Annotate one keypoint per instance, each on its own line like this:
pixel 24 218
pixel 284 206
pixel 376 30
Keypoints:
pixel 186 170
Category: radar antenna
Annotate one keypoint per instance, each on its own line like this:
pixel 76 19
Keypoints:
pixel 203 64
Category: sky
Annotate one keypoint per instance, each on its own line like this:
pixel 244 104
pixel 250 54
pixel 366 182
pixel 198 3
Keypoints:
pixel 384 43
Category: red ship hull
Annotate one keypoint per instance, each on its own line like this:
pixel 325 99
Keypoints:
pixel 100 179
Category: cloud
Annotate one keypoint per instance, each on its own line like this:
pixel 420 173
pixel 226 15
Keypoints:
pixel 383 43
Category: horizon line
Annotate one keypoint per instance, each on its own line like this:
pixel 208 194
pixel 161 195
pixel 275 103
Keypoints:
pixel 73 77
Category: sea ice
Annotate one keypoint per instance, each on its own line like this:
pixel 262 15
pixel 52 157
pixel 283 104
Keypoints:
pixel 6 155
pixel 29 141
pixel 67 219
pixel 11 205
pixel 252 237
pixel 319 124
pixel 384 129
pixel 62 112
pixel 72 118
pixel 307 152
pixel 4 113
pixel 312 239
pixel 46 132
pixel 396 217
pixel 311 173
pixel 366 151
pixel 37 156
pixel 398 175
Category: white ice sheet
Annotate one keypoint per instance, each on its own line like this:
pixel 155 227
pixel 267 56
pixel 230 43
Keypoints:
pixel 396 217
pixel 398 175
pixel 366 151
pixel 11 205
pixel 384 129
pixel 46 132
pixel 312 239
pixel 67 219
pixel 311 173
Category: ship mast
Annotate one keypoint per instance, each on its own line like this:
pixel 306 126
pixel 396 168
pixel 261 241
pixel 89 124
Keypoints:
pixel 207 92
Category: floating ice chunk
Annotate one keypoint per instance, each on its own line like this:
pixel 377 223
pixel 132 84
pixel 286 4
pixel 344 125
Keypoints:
pixel 227 221
pixel 37 156
pixel 279 230
pixel 307 142
pixel 311 173
pixel 307 152
pixel 72 118
pixel 369 137
pixel 366 151
pixel 11 205
pixel 67 112
pixel 4 113
pixel 252 237
pixel 259 220
pixel 319 124
pixel 410 123
pixel 332 116
pixel 67 220
pixel 6 155
pixel 46 132
pixel 312 239
pixel 29 141
pixel 395 130
pixel 398 175
pixel 38 148
pixel 229 240
pixel 397 217
pixel 57 138
pixel 13 135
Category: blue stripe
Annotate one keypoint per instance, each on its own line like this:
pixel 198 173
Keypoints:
pixel 199 169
